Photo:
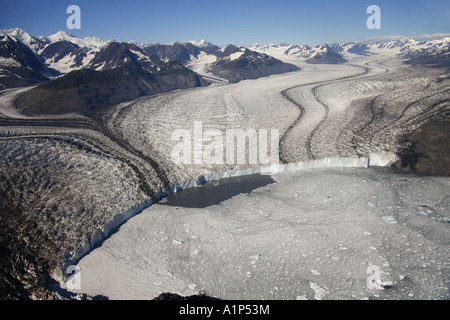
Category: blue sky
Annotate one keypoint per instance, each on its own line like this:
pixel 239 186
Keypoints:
pixel 241 22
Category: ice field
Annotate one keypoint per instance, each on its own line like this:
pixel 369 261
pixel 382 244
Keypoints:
pixel 313 234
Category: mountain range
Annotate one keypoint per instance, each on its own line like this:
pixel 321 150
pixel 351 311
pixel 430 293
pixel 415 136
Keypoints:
pixel 95 73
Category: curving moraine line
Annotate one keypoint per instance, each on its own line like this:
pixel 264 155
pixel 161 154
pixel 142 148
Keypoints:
pixel 91 124
pixel 302 109
pixel 327 108
pixel 407 107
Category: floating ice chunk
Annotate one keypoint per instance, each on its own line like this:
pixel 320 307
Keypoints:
pixel 319 292
pixel 389 219
pixel 382 159
pixel 387 283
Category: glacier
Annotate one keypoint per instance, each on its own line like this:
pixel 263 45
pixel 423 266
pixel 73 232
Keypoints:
pixel 321 227
pixel 119 219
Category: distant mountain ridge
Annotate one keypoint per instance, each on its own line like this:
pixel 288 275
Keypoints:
pixel 61 53
pixel 325 55
pixel 231 62
pixel 396 47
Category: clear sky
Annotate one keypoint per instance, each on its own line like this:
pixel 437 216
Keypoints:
pixel 241 22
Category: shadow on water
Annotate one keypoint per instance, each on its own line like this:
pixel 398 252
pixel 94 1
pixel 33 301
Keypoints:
pixel 215 192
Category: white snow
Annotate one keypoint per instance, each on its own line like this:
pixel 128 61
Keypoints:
pixel 201 44
pixel 140 55
pixel 389 46
pixel 200 64
pixel 8 62
pixel 65 65
pixel 89 43
pixel 236 55
pixel 18 34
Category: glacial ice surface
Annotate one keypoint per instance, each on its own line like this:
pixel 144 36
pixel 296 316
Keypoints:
pixel 321 233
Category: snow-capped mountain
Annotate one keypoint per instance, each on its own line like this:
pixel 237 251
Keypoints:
pixel 117 55
pixel 239 63
pixel 19 65
pixel 230 63
pixel 183 53
pixel 406 45
pixel 353 47
pixel 325 55
pixel 65 52
pixel 283 51
pixel 35 44
pixel 314 55
pixel 65 56
pixel 118 72
pixel 61 53
pixel 201 44
pixel 402 47
pixel 88 43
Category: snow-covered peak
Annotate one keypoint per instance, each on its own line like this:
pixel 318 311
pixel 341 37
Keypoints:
pixel 88 43
pixel 406 45
pixel 61 35
pixel 282 51
pixel 201 44
pixel 17 34
pixel 20 35
pixel 323 48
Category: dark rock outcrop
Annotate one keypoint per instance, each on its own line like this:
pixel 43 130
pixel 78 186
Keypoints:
pixel 427 149
pixel 174 296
